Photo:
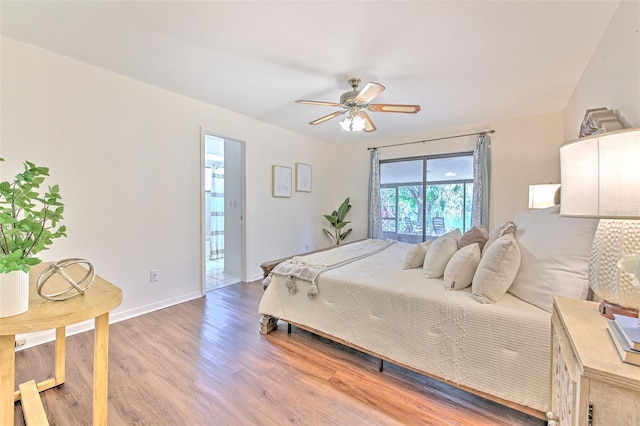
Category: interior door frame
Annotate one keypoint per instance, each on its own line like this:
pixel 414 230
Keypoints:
pixel 243 238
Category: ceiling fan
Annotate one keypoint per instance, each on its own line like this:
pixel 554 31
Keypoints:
pixel 355 102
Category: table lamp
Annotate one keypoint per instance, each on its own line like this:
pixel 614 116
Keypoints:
pixel 543 195
pixel 600 178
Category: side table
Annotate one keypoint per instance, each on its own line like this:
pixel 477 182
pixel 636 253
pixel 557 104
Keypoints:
pixel 590 385
pixel 101 298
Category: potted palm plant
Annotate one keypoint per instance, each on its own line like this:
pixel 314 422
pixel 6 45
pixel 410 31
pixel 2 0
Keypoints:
pixel 29 222
pixel 336 219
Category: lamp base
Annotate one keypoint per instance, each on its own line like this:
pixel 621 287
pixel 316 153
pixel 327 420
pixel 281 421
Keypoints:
pixel 607 309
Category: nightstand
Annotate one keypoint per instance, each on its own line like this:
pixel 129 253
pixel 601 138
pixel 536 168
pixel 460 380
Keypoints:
pixel 590 385
pixel 44 314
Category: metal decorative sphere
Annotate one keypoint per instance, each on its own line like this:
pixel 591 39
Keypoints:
pixel 75 288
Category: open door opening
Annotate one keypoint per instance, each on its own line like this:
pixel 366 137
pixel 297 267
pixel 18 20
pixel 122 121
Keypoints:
pixel 223 212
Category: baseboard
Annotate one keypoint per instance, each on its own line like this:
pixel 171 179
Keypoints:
pixel 40 337
pixel 255 277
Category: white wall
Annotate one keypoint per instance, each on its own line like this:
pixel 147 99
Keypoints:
pixel 525 152
pixel 612 78
pixel 127 157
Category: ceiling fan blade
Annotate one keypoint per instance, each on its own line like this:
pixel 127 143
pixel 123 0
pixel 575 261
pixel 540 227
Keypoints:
pixel 406 109
pixel 327 117
pixel 369 92
pixel 368 124
pixel 302 101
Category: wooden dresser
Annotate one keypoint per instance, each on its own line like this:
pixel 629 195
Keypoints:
pixel 590 385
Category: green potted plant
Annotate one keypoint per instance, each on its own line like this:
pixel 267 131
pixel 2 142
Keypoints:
pixel 336 219
pixel 29 222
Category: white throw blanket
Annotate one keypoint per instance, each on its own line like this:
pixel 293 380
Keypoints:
pixel 308 268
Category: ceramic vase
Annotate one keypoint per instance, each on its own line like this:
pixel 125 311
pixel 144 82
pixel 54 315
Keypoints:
pixel 14 293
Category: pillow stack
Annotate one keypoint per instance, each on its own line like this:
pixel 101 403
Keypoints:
pixel 537 256
pixel 486 262
pixel 456 257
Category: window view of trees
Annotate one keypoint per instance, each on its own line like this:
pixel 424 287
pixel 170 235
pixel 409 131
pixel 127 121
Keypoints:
pixel 412 214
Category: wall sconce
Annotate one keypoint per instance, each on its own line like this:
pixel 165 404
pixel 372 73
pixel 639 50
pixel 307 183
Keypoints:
pixel 544 195
pixel 600 178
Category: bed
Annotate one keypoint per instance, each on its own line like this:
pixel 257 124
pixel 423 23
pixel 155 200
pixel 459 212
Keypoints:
pixel 499 350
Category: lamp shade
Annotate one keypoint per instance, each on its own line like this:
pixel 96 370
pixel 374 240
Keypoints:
pixel 600 176
pixel 542 195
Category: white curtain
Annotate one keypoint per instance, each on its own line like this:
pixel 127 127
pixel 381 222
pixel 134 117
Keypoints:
pixel 481 182
pixel 375 219
pixel 216 202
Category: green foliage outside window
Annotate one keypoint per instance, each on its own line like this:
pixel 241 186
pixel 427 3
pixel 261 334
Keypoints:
pixel 452 201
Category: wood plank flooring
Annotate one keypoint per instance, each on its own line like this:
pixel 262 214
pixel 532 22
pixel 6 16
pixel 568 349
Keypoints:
pixel 204 362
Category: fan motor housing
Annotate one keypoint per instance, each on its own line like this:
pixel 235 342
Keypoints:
pixel 348 98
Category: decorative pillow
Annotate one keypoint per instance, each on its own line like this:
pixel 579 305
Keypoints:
pixel 460 269
pixel 477 234
pixel 506 228
pixel 555 257
pixel 497 269
pixel 415 256
pixel 456 234
pixel 438 255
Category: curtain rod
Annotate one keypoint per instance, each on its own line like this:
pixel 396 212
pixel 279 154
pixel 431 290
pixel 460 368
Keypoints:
pixel 431 140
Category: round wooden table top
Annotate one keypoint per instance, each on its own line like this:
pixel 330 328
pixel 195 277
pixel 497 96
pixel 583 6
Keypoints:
pixel 45 314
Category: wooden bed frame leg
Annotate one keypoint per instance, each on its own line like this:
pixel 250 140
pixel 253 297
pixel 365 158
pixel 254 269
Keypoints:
pixel 288 328
pixel 268 324
pixel 380 365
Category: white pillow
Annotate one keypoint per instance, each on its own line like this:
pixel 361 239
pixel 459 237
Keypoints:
pixel 555 257
pixel 460 269
pixel 415 256
pixel 506 228
pixel 438 255
pixel 549 210
pixel 497 269
pixel 456 234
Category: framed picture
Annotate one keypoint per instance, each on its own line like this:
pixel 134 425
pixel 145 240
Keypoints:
pixel 303 177
pixel 281 181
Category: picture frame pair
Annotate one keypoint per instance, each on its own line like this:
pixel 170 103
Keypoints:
pixel 281 180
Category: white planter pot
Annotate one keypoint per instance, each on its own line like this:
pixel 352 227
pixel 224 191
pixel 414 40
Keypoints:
pixel 14 293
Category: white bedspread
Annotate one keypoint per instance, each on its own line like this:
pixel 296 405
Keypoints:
pixel 500 349
pixel 309 268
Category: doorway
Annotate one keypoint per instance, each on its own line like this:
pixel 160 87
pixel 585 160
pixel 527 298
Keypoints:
pixel 223 211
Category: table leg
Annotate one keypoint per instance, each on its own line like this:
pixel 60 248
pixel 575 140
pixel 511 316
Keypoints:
pixel 100 369
pixel 7 378
pixel 61 345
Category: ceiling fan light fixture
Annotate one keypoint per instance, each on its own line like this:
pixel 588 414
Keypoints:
pixel 357 124
pixel 353 124
pixel 355 102
pixel 346 124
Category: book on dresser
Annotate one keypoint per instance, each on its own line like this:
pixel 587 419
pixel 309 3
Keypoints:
pixel 620 341
pixel 628 327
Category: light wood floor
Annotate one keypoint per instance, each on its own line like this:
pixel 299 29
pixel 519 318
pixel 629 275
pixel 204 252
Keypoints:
pixel 205 363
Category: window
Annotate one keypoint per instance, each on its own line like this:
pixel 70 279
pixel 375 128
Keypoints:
pixel 424 197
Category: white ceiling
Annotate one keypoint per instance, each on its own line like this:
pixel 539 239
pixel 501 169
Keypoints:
pixel 467 63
